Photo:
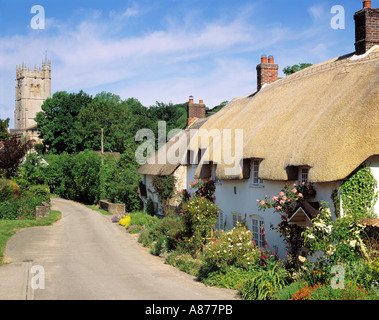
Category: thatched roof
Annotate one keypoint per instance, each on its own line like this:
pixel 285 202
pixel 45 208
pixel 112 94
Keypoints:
pixel 325 117
pixel 159 164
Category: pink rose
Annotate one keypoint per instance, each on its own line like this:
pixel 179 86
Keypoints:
pixel 262 202
pixel 294 190
pixel 300 195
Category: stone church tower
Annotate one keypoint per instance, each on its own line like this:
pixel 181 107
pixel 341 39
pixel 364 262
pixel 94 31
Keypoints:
pixel 33 87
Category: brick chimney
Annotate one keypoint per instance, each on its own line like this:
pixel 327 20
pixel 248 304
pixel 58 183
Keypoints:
pixel 267 71
pixel 366 28
pixel 195 110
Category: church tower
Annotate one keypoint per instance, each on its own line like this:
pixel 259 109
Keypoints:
pixel 33 87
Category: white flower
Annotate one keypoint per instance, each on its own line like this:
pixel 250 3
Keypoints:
pixel 302 259
pixel 311 236
pixel 352 243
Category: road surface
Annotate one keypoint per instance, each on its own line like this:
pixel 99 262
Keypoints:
pixel 85 256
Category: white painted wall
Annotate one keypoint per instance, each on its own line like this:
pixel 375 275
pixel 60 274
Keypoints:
pixel 244 201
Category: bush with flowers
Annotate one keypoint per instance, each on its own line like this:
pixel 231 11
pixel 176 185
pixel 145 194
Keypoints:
pixel 125 222
pixel 201 189
pixel 234 247
pixel 332 242
pixel 321 291
pixel 284 203
pixel 200 216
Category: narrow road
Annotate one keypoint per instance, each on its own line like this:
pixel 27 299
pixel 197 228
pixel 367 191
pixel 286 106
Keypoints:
pixel 86 256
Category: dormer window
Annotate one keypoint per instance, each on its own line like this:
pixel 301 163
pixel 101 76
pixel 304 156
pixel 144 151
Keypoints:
pixel 213 173
pixel 254 174
pixel 303 175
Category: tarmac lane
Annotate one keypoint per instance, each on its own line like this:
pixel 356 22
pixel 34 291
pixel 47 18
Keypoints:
pixel 85 256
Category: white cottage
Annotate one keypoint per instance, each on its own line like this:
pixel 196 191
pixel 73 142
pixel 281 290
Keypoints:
pixel 316 126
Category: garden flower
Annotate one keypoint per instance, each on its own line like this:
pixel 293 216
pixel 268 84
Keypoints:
pixel 302 259
pixel 352 243
pixel 300 195
pixel 294 190
pixel 311 236
pixel 262 202
pixel 281 193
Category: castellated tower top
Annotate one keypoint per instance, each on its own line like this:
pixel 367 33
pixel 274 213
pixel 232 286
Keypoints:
pixel 33 87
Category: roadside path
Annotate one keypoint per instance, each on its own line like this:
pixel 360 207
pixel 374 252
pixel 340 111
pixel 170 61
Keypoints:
pixel 86 257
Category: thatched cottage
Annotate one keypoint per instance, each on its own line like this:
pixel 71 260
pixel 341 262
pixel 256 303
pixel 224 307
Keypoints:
pixel 316 126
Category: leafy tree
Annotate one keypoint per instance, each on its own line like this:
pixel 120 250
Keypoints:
pixel 57 120
pixel 295 68
pixel 4 124
pixel 11 154
pixel 120 180
pixel 108 112
pixel 33 169
pixel 165 186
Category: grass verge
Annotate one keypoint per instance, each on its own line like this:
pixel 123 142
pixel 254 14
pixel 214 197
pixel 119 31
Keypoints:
pixel 96 207
pixel 9 227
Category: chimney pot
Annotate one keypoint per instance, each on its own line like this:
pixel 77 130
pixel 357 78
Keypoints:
pixel 266 72
pixel 201 101
pixel 190 99
pixel 366 3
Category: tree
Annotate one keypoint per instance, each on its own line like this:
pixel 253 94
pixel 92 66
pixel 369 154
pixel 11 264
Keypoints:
pixel 56 122
pixel 165 186
pixel 11 154
pixel 33 169
pixel 4 134
pixel 108 112
pixel 295 68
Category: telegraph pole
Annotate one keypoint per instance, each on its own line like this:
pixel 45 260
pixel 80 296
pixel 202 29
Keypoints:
pixel 102 146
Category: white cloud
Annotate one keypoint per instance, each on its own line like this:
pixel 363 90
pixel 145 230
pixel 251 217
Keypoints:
pixel 206 60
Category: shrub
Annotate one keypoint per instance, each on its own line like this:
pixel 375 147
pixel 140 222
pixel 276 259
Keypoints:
pixel 184 262
pixel 125 222
pixel 165 186
pixel 118 217
pixel 39 191
pixel 288 291
pixel 200 216
pixel 359 194
pixel 233 278
pixel 264 283
pixel 325 292
pixel 173 228
pixel 9 209
pixel 5 190
pixel 234 247
pixel 160 246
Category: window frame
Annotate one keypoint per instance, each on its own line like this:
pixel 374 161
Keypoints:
pixel 255 181
pixel 257 224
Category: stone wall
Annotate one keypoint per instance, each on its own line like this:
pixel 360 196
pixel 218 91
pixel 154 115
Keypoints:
pixel 42 211
pixel 114 208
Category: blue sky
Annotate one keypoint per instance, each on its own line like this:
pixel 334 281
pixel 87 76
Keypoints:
pixel 166 50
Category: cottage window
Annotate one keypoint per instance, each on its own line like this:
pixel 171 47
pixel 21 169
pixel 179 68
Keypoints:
pixel 213 174
pixel 220 221
pixel 237 217
pixel 303 175
pixel 257 228
pixel 255 181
